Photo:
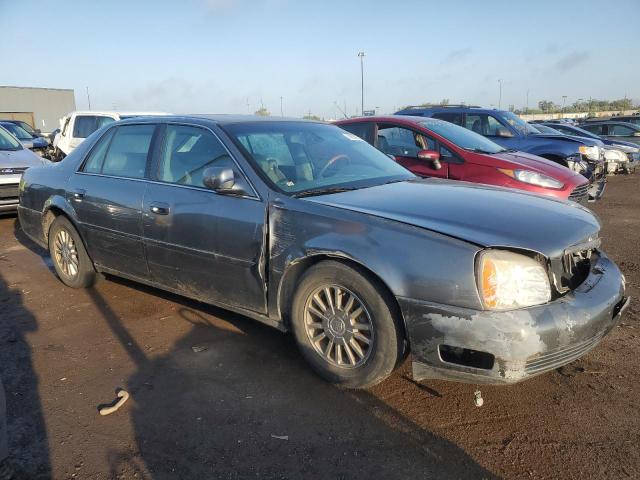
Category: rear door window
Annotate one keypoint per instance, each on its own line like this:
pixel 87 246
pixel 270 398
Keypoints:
pixel 449 117
pixel 597 129
pixel 93 164
pixel 128 150
pixel 85 125
pixel 483 124
pixel 620 131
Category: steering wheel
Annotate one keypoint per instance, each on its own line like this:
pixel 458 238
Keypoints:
pixel 339 157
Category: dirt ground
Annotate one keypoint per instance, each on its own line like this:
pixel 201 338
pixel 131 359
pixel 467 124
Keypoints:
pixel 245 405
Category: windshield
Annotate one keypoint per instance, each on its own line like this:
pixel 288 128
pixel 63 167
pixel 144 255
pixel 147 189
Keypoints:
pixel 19 132
pixel 28 128
pixel 548 130
pixel 462 137
pixel 519 124
pixel 581 132
pixel 312 158
pixel 8 141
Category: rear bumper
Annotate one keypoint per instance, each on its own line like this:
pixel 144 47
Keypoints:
pixel 31 224
pixel 514 345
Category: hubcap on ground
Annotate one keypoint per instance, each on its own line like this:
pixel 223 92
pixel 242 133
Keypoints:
pixel 339 326
pixel 65 253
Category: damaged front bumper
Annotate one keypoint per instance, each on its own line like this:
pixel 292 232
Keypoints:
pixel 491 347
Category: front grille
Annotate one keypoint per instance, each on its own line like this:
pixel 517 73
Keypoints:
pixel 9 191
pixel 580 194
pixel 572 268
pixel 561 356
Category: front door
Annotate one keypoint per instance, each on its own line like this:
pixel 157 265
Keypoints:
pixel 203 244
pixel 404 144
pixel 107 194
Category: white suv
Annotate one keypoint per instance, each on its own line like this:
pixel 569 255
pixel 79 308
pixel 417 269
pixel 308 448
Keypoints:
pixel 76 126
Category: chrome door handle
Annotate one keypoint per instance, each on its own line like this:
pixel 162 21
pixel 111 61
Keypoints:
pixel 79 194
pixel 159 208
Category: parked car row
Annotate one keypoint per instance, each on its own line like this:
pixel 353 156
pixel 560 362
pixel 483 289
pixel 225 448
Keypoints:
pixel 322 231
pixel 582 155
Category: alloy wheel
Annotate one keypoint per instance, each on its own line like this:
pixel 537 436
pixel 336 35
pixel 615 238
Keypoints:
pixel 339 326
pixel 65 253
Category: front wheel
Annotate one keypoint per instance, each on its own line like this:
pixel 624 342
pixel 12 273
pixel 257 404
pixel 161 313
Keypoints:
pixel 70 259
pixel 344 325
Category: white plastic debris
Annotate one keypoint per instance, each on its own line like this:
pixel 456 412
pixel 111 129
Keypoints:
pixel 477 398
pixel 281 437
pixel 123 395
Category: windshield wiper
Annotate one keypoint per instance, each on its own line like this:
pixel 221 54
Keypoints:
pixel 323 191
pixel 479 150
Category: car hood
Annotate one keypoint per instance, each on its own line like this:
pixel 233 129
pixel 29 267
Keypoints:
pixel 483 215
pixel 19 159
pixel 570 138
pixel 538 164
pixel 621 145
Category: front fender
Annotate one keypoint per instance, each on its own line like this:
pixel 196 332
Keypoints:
pixel 411 261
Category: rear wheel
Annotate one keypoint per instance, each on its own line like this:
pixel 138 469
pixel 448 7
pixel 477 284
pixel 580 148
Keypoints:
pixel 70 259
pixel 344 325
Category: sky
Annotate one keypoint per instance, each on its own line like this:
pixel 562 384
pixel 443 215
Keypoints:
pixel 234 56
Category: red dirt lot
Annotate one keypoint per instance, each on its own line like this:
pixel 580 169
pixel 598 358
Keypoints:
pixel 245 405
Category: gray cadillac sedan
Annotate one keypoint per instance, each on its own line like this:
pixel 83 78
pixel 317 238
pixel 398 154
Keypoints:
pixel 307 228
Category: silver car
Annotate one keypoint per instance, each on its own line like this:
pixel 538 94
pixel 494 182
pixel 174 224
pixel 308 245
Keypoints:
pixel 14 160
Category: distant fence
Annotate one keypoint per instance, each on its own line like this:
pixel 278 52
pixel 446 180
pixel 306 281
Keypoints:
pixel 553 116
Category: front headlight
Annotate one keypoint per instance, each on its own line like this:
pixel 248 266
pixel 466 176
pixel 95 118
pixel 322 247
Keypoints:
pixel 592 153
pixel 508 280
pixel 533 178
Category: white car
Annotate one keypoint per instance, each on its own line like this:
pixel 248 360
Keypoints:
pixel 76 126
pixel 14 160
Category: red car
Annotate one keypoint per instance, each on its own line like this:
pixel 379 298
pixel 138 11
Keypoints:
pixel 435 148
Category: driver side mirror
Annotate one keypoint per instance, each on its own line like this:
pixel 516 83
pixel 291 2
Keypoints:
pixel 223 180
pixel 432 156
pixel 503 132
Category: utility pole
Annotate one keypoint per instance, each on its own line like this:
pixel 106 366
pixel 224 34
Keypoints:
pixel 527 106
pixel 500 97
pixel 564 98
pixel 343 112
pixel 361 55
pixel 248 110
pixel 88 98
pixel 281 111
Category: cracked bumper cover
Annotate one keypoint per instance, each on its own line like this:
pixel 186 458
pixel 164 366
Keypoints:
pixel 524 342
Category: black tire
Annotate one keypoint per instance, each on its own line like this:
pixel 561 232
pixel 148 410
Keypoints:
pixel 84 274
pixel 387 342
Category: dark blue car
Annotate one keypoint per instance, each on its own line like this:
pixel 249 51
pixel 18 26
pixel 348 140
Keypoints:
pixel 511 132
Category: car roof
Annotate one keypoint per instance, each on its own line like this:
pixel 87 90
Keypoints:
pixel 453 108
pixel 610 122
pixel 220 119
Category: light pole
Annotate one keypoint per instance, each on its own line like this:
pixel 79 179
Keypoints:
pixel 361 55
pixel 527 106
pixel 500 97
pixel 281 111
pixel 564 98
pixel 88 99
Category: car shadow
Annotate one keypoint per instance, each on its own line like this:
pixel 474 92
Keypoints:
pixel 234 399
pixel 26 430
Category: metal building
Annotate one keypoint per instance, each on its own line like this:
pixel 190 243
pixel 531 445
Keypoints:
pixel 39 107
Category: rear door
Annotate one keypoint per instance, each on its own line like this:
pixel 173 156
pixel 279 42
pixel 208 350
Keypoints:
pixel 107 194
pixel 201 243
pixel 404 144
